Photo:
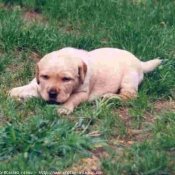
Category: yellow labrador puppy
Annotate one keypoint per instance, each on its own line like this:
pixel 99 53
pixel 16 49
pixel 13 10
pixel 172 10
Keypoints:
pixel 70 76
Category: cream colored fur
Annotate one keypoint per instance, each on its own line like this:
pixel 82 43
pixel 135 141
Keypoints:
pixel 74 76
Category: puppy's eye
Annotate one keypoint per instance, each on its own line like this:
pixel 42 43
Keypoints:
pixel 46 77
pixel 66 79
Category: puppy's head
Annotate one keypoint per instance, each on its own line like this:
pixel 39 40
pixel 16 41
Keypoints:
pixel 58 76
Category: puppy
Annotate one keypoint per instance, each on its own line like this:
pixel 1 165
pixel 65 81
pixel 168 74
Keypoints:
pixel 71 76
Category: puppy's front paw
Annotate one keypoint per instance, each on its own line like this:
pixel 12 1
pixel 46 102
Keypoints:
pixel 17 92
pixel 23 92
pixel 66 110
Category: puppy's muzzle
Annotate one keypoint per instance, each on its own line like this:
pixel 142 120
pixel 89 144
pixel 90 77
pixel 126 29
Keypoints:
pixel 53 94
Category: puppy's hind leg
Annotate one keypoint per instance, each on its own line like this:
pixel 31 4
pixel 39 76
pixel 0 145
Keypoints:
pixel 27 91
pixel 129 87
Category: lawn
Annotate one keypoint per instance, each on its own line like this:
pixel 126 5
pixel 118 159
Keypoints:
pixel 106 137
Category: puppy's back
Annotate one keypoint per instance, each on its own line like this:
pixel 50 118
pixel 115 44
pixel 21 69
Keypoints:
pixel 112 58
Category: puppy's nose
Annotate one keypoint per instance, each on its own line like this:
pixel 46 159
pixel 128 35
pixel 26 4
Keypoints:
pixel 53 93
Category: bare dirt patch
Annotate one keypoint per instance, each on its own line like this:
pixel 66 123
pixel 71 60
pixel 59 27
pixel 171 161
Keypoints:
pixel 28 15
pixel 5 6
pixel 32 16
pixel 138 135
pixel 10 7
pixel 35 56
pixel 162 106
pixel 69 30
pixel 123 113
pixel 159 107
pixel 89 166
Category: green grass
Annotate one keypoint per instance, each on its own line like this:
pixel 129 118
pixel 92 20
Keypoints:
pixel 33 137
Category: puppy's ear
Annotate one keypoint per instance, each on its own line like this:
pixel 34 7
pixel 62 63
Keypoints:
pixel 37 74
pixel 82 69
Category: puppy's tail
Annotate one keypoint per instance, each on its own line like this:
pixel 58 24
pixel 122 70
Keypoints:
pixel 150 65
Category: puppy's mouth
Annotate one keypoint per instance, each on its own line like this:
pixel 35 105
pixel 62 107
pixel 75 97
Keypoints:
pixel 55 100
pixel 52 101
